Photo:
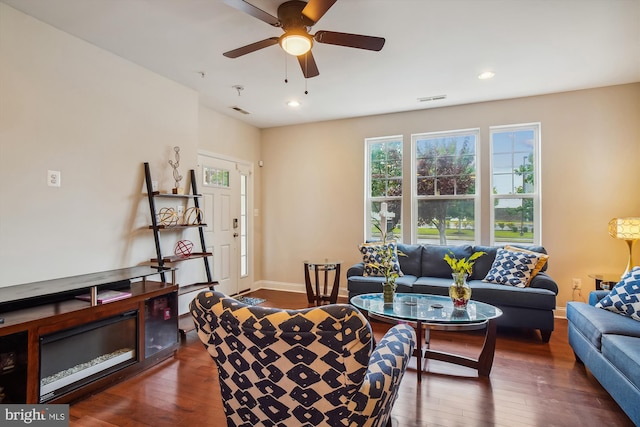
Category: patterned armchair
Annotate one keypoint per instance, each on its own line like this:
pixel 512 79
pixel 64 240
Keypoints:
pixel 309 367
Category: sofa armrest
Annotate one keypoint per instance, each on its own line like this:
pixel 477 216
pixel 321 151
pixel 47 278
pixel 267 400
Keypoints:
pixel 544 281
pixel 356 270
pixel 595 296
pixel 372 403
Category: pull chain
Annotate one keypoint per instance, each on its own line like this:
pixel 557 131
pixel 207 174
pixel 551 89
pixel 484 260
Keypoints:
pixel 286 75
pixel 306 66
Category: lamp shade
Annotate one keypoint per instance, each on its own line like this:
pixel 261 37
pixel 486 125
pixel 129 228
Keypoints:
pixel 296 43
pixel 625 228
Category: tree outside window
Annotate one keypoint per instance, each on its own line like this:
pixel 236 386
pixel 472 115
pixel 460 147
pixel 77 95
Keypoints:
pixel 384 157
pixel 445 186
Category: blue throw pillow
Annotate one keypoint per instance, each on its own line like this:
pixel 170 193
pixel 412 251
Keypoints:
pixel 512 268
pixel 624 298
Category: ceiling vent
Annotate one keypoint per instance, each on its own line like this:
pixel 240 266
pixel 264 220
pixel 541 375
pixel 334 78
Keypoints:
pixel 240 110
pixel 432 98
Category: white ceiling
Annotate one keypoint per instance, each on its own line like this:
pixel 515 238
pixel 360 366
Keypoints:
pixel 433 47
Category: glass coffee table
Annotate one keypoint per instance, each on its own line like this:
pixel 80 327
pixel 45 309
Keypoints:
pixel 434 312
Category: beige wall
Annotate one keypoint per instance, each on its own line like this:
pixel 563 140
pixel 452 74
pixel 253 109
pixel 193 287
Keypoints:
pixel 69 106
pixel 313 180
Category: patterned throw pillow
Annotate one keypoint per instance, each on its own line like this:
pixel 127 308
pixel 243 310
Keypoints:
pixel 372 259
pixel 512 268
pixel 624 298
pixel 543 258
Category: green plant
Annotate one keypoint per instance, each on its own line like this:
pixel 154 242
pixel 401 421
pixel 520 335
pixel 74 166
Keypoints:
pixel 387 256
pixel 463 265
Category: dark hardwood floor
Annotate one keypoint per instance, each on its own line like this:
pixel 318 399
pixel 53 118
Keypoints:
pixel 531 384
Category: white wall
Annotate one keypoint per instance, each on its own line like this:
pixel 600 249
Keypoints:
pixel 314 179
pixel 69 106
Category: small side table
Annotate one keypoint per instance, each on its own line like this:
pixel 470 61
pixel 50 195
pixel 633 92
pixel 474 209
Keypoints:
pixel 314 295
pixel 609 279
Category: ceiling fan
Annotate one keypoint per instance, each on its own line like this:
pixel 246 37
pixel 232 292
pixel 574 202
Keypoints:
pixel 296 18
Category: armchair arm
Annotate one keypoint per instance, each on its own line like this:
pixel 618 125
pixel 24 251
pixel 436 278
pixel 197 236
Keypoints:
pixel 372 404
pixel 544 281
pixel 356 270
pixel 595 296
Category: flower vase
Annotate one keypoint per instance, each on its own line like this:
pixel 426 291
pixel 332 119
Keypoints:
pixel 459 291
pixel 388 292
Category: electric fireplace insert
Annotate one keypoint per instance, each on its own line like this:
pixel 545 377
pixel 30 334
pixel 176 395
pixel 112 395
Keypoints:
pixel 74 357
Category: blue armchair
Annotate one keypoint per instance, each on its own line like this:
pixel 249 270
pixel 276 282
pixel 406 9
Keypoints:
pixel 315 366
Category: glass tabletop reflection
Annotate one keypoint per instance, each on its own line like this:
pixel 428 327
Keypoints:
pixel 426 308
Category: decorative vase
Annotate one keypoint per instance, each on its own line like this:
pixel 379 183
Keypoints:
pixel 459 291
pixel 388 292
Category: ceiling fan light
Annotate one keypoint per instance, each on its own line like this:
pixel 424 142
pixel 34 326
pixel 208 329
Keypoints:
pixel 296 44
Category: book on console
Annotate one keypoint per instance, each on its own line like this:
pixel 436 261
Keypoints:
pixel 105 296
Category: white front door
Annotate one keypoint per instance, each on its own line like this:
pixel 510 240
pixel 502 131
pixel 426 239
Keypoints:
pixel 223 187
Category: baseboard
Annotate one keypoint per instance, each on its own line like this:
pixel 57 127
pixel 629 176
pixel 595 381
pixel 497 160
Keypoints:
pixel 560 313
pixel 289 287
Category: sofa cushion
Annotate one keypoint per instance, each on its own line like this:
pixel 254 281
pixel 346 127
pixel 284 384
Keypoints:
pixel 624 298
pixel 433 263
pixel 498 295
pixel 512 268
pixel 622 351
pixel 411 260
pixel 372 258
pixel 484 263
pixel 593 322
pixel 366 285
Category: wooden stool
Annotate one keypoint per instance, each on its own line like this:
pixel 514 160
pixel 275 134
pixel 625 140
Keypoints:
pixel 314 296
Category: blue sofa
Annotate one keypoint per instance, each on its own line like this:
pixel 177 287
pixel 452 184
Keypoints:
pixel 609 346
pixel 425 271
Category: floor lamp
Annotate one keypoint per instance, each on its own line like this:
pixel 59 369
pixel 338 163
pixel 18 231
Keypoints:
pixel 627 229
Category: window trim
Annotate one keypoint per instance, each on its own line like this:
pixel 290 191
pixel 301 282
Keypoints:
pixel 536 195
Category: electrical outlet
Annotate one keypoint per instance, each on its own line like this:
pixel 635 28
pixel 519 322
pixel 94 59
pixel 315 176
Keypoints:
pixel 53 178
pixel 577 283
pixel 180 210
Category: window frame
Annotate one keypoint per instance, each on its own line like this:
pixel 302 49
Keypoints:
pixel 369 199
pixel 415 198
pixel 535 195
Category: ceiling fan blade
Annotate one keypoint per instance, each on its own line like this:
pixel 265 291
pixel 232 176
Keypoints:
pixel 251 47
pixel 350 40
pixel 308 65
pixel 315 9
pixel 250 9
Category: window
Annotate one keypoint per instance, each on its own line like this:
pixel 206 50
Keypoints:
pixel 444 188
pixel 215 177
pixel 515 183
pixel 383 185
pixel 244 226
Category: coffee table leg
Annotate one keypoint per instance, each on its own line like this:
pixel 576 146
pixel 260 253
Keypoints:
pixel 485 360
pixel 418 351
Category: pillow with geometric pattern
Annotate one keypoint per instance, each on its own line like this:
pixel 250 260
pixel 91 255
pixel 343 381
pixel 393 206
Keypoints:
pixel 624 298
pixel 541 261
pixel 512 268
pixel 372 259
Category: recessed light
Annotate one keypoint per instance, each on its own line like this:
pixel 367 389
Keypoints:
pixel 293 104
pixel 486 75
